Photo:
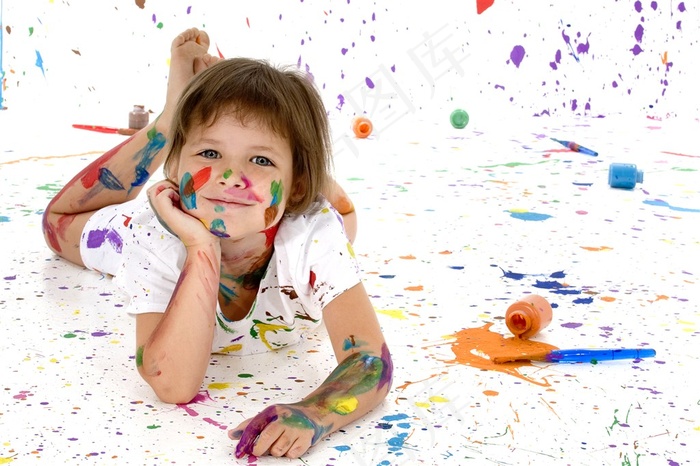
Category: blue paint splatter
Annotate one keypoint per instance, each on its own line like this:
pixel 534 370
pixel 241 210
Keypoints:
pixel 110 181
pixel 529 216
pixel 660 203
pixel 40 62
pixel 147 154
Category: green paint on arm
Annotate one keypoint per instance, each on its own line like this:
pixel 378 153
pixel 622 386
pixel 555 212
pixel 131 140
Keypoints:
pixel 139 356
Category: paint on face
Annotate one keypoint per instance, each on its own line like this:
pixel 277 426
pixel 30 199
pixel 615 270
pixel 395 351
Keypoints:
pixel 218 228
pixel 227 174
pixel 270 234
pixel 187 193
pixel 189 185
pixel 271 212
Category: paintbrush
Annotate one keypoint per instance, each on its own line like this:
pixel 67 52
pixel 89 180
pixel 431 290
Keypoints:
pixel 579 355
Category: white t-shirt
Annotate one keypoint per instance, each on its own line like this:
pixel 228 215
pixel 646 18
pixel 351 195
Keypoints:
pixel 313 262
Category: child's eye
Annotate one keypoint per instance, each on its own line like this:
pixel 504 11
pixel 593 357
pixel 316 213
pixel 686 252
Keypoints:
pixel 263 161
pixel 209 154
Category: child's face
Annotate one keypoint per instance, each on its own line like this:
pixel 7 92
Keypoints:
pixel 236 179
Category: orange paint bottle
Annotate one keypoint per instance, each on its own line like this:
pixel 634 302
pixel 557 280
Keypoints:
pixel 362 127
pixel 528 316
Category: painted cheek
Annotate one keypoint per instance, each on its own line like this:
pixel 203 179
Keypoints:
pixel 187 191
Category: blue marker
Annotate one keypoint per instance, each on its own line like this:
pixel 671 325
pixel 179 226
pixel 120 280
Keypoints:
pixel 580 355
pixel 593 355
pixel 576 147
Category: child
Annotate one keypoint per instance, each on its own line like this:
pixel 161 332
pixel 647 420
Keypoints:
pixel 235 251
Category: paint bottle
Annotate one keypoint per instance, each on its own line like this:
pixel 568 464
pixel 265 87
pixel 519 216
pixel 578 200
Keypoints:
pixel 138 117
pixel 528 316
pixel 361 126
pixel 459 118
pixel 624 175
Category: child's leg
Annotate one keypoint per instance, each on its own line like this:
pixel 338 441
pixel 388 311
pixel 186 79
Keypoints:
pixel 120 174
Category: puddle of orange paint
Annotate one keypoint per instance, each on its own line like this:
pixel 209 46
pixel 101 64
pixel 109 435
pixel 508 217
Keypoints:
pixel 477 347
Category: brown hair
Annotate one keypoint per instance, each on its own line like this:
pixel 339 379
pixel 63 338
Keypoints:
pixel 282 99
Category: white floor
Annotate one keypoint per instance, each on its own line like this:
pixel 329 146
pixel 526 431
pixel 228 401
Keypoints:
pixel 454 226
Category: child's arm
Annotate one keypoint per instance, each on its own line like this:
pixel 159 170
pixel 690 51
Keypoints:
pixel 359 383
pixel 173 348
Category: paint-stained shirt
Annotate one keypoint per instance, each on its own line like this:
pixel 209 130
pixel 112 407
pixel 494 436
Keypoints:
pixel 313 263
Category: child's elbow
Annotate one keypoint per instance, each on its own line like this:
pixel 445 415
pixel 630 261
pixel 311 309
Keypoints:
pixel 168 390
pixel 174 393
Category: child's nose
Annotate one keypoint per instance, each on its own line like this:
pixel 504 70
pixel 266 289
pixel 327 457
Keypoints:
pixel 233 178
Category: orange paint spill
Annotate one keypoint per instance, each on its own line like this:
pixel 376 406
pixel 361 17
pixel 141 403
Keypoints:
pixel 608 299
pixel 593 248
pixel 410 257
pixel 414 288
pixel 477 347
pixel 490 393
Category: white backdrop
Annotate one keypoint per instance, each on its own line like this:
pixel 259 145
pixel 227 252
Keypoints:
pixel 387 58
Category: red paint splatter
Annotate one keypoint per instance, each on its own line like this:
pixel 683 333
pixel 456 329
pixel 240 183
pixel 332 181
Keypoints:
pixel 483 5
pixel 247 21
pixel 201 177
pixel 270 234
pixel 221 55
pixel 127 220
pixel 312 279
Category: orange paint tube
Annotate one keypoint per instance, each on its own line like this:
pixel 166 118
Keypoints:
pixel 362 127
pixel 528 316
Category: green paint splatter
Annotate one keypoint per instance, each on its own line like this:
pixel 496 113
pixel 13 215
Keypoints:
pixel 245 376
pixel 160 25
pixel 227 174
pixel 31 31
pixel 153 427
pixel 513 164
pixel 70 335
pixel 276 191
pixel 139 356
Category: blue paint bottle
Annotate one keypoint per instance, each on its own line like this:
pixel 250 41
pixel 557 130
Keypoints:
pixel 624 175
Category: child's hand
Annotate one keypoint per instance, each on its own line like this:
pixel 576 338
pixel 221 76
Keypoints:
pixel 165 201
pixel 279 430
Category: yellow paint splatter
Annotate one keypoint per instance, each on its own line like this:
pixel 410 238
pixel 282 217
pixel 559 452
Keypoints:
pixel 438 399
pixel 421 404
pixel 6 460
pixel 218 385
pixel 351 250
pixel 345 405
pixel 231 348
pixel 393 313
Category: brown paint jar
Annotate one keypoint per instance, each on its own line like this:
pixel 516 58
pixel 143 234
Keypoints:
pixel 528 316
pixel 138 117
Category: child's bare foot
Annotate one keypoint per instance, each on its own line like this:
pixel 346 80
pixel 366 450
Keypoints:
pixel 188 56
